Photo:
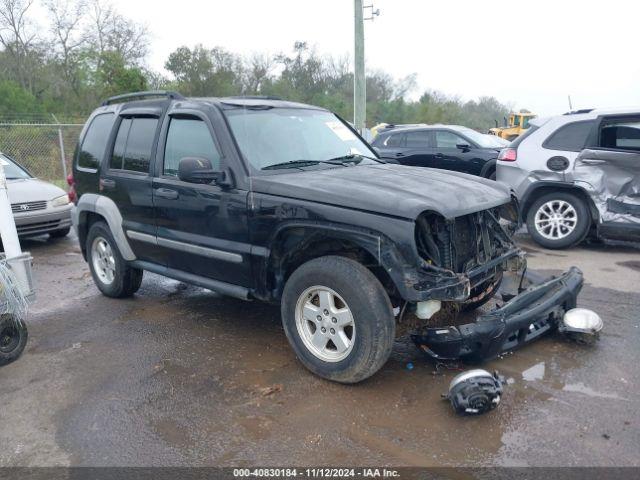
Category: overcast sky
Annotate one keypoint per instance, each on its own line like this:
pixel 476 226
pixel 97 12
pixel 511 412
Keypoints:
pixel 531 54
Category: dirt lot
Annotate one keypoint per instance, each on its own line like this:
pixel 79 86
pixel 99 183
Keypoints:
pixel 180 376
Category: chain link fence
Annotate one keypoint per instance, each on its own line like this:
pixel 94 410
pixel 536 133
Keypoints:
pixel 44 148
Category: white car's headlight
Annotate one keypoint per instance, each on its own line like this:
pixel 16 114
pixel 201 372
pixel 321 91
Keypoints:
pixel 60 201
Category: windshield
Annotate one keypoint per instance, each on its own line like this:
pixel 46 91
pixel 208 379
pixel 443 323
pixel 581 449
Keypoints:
pixel 275 136
pixel 483 140
pixel 11 170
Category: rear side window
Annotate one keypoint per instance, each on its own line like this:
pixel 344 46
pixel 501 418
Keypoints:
pixel 571 137
pixel 417 139
pixel 95 141
pixel 621 136
pixel 134 142
pixel 189 137
pixel 120 145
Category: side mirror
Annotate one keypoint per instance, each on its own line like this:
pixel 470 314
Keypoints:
pixel 198 170
pixel 464 147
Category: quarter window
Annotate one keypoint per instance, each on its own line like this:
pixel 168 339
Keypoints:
pixel 571 137
pixel 95 140
pixel 189 137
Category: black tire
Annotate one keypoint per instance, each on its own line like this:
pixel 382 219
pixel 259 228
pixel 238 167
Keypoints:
pixel 483 293
pixel 370 307
pixel 580 231
pixel 13 338
pixel 60 233
pixel 126 280
pixel 492 176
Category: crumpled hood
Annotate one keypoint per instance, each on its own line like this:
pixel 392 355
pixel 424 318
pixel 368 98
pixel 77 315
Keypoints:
pixel 32 190
pixel 388 189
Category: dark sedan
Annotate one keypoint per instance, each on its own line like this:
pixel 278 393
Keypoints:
pixel 450 147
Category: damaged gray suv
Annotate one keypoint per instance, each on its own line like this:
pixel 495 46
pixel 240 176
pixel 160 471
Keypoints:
pixel 577 175
pixel 268 200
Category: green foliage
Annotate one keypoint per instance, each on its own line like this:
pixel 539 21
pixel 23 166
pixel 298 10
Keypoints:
pixel 88 51
pixel 114 77
pixel 14 98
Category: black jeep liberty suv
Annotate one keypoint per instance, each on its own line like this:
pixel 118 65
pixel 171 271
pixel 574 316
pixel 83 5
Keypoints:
pixel 264 199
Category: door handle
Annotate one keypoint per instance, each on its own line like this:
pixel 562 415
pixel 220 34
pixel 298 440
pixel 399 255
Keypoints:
pixel 399 154
pixel 166 193
pixel 439 155
pixel 592 161
pixel 107 184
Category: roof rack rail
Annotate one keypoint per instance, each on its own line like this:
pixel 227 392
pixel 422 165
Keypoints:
pixel 256 97
pixel 150 93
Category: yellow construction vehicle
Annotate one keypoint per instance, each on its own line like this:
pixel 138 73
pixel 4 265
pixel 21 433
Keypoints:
pixel 517 124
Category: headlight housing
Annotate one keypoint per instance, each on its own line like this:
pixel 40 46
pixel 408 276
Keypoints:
pixel 60 201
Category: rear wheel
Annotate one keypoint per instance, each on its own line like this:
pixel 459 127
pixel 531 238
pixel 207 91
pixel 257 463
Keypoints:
pixel 338 319
pixel 111 274
pixel 558 220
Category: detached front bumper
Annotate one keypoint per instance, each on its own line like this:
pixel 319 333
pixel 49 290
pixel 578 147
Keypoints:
pixel 525 317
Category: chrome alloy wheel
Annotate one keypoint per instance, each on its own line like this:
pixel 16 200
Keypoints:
pixel 325 324
pixel 556 219
pixel 104 263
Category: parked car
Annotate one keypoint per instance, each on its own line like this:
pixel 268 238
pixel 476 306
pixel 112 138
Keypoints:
pixel 282 202
pixel 449 147
pixel 576 175
pixel 38 207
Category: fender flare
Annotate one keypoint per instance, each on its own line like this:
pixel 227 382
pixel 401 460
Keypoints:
pixel 385 252
pixel 107 209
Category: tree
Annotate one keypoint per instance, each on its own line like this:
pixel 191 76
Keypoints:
pixel 19 41
pixel 206 72
pixel 116 78
pixel 15 99
pixel 111 32
pixel 68 39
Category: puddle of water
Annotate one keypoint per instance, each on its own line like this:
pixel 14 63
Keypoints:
pixel 582 388
pixel 534 373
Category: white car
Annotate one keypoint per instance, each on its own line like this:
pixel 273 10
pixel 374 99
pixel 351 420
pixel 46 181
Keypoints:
pixel 577 174
pixel 38 207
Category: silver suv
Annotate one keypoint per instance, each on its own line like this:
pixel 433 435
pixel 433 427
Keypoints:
pixel 576 175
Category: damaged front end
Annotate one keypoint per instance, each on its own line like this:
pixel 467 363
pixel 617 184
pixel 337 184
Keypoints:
pixel 522 319
pixel 478 249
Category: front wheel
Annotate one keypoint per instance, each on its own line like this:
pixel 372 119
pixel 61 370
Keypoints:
pixel 558 220
pixel 338 318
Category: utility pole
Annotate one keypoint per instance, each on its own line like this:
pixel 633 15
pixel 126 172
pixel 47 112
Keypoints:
pixel 359 79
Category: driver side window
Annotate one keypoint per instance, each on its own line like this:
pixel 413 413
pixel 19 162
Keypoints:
pixel 188 137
